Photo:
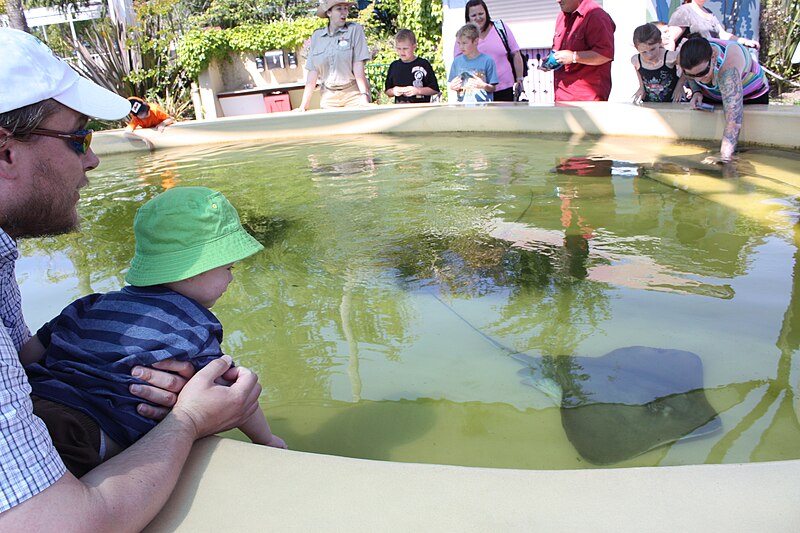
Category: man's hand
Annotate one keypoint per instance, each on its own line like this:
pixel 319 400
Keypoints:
pixel 166 378
pixel 211 408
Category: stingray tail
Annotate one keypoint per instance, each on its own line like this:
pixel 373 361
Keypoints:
pixel 533 374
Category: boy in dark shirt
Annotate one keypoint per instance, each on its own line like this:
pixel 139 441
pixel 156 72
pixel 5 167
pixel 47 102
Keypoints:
pixel 410 79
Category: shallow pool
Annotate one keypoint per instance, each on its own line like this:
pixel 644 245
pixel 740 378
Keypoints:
pixel 401 273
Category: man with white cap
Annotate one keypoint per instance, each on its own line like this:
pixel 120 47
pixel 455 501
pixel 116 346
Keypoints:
pixel 44 156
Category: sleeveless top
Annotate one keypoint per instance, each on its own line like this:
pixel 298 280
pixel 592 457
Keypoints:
pixel 659 83
pixel 754 80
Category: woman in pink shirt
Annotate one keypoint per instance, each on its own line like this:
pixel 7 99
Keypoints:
pixel 491 44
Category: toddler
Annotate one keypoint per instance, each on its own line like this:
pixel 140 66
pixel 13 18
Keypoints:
pixel 78 364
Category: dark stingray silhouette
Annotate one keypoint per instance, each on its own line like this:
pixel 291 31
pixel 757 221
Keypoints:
pixel 624 403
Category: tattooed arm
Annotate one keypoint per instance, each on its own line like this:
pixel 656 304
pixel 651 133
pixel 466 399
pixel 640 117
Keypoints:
pixel 730 84
pixel 729 81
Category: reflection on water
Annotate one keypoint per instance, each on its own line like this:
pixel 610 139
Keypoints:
pixel 546 247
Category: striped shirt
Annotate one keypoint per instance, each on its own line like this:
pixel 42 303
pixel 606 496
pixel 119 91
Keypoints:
pixel 754 80
pixel 96 340
pixel 29 462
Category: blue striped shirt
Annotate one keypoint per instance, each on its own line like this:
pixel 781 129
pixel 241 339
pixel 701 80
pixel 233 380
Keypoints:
pixel 96 340
pixel 28 461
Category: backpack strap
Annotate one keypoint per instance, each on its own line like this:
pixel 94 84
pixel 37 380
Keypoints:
pixel 501 31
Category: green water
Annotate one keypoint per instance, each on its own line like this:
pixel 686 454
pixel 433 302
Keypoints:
pixel 391 259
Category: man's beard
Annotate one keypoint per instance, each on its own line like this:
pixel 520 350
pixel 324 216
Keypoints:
pixel 49 210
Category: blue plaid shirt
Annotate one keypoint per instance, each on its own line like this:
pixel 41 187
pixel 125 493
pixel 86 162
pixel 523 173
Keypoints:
pixel 28 461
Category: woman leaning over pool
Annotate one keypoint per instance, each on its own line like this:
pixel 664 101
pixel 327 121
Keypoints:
pixel 723 71
pixel 336 57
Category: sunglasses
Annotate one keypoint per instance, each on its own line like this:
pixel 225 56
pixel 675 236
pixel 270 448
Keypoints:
pixel 80 140
pixel 701 73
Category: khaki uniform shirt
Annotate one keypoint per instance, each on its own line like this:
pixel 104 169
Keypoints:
pixel 332 56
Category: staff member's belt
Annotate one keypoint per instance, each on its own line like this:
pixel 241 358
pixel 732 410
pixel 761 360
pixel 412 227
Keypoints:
pixel 338 87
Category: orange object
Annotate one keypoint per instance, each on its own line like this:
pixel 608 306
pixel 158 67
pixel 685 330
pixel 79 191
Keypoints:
pixel 156 116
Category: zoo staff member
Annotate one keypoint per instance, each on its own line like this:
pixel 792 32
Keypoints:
pixel 584 45
pixel 336 57
pixel 44 156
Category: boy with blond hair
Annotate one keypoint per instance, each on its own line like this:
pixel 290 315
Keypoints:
pixel 473 75
pixel 410 79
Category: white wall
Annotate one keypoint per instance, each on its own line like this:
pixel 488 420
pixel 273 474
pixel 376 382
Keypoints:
pixel 627 15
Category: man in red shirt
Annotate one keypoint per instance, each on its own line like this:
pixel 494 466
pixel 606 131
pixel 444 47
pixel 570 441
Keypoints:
pixel 584 45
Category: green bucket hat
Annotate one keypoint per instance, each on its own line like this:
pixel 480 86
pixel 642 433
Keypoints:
pixel 184 232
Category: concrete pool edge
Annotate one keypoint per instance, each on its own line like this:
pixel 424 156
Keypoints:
pixel 230 485
pixel 774 126
pixel 234 486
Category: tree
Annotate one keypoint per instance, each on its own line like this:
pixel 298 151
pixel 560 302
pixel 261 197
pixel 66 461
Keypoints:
pixel 16 15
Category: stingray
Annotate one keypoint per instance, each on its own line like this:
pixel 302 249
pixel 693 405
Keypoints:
pixel 622 404
pixel 626 402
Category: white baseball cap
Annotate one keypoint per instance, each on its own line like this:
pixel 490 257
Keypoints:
pixel 31 73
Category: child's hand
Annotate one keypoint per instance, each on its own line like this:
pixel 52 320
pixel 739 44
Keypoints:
pixel 638 96
pixel 456 84
pixel 276 442
pixel 476 83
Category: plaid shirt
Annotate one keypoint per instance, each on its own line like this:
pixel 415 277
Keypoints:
pixel 28 461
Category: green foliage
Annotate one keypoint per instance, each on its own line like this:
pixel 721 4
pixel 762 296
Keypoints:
pixel 381 20
pixel 198 47
pixel 231 13
pixel 780 37
pixel 154 73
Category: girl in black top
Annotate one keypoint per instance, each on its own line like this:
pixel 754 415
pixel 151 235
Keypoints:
pixel 656 68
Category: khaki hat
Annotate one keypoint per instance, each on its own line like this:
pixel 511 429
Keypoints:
pixel 326 5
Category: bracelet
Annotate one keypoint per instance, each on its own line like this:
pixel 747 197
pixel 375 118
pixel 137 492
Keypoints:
pixel 574 57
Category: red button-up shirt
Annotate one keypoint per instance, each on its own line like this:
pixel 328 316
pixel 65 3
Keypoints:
pixel 586 28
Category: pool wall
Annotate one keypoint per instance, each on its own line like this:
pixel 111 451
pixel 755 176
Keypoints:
pixel 764 125
pixel 234 486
